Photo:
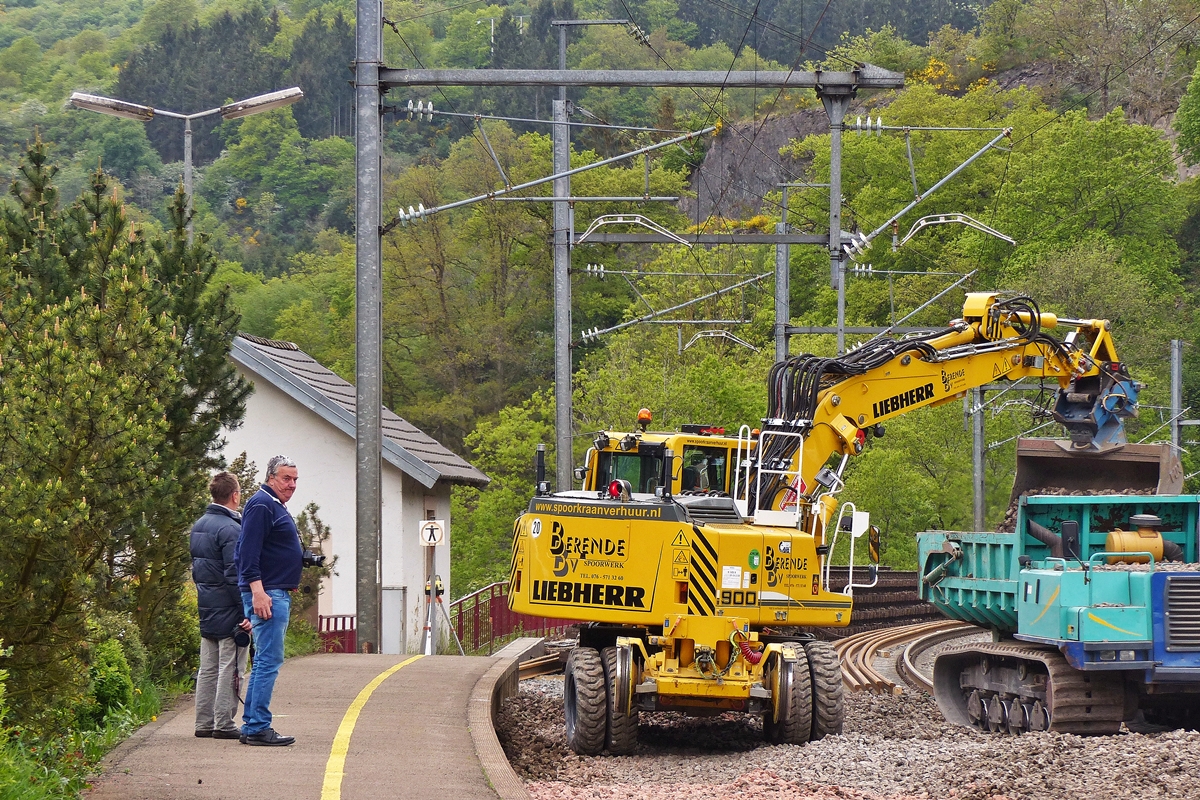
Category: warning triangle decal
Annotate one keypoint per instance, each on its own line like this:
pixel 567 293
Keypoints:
pixel 680 540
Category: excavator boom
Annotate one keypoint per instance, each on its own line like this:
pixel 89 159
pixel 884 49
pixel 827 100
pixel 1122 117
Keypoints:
pixel 834 403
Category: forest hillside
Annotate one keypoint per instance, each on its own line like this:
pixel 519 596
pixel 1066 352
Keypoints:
pixel 116 325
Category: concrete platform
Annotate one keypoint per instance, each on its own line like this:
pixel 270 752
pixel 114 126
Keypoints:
pixel 424 732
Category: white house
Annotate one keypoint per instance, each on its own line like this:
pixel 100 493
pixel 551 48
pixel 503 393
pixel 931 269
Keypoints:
pixel 303 411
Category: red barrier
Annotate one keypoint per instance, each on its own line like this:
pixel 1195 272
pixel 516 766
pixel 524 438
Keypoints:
pixel 483 620
pixel 338 632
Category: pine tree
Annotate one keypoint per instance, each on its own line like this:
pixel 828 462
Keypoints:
pixel 85 365
pixel 114 385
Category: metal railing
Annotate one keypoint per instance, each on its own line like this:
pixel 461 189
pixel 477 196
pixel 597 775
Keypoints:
pixel 338 633
pixel 483 620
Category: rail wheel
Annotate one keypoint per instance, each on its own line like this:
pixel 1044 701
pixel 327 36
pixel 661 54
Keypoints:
pixel 1017 715
pixel 585 701
pixel 997 718
pixel 791 692
pixel 976 712
pixel 621 739
pixel 1039 717
pixel 826 673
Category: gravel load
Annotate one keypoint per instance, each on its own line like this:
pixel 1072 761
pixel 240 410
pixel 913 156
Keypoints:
pixel 892 748
pixel 1010 515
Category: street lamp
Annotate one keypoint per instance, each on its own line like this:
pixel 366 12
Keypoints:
pixel 134 111
pixel 492 20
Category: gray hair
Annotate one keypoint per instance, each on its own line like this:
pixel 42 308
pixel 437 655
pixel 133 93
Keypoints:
pixel 276 462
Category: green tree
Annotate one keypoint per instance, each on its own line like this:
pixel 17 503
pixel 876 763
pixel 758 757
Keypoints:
pixel 210 396
pixel 1187 120
pixel 114 384
pixel 319 65
pixel 194 67
pixel 163 16
pixel 503 448
pixel 85 365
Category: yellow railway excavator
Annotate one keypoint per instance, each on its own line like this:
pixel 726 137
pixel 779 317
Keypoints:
pixel 690 557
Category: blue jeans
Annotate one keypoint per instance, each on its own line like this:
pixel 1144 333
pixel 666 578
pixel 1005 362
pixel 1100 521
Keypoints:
pixel 268 658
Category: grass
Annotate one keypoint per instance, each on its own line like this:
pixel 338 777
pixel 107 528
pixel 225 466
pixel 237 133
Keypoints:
pixel 59 767
pixel 301 639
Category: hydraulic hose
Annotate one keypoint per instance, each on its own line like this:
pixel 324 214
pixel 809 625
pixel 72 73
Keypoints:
pixel 751 655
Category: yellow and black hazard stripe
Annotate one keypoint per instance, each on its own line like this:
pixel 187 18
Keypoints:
pixel 702 581
pixel 517 544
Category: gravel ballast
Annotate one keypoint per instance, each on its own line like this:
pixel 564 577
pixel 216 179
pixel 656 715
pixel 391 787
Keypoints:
pixel 893 747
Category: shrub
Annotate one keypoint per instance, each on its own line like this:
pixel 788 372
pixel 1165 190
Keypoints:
pixel 4 652
pixel 176 646
pixel 301 639
pixel 111 681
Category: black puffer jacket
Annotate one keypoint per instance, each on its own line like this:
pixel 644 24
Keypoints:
pixel 214 537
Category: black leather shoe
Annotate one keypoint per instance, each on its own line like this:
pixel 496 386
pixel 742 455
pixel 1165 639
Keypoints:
pixel 233 734
pixel 204 734
pixel 267 738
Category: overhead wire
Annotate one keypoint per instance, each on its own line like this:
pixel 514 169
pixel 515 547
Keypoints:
pixel 1105 84
pixel 440 11
pixel 713 111
pixel 530 120
pixel 396 29
pixel 754 135
pixel 711 105
pixel 785 33
pixel 779 94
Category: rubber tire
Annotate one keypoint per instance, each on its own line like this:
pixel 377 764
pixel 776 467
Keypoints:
pixel 828 706
pixel 796 728
pixel 585 701
pixel 622 736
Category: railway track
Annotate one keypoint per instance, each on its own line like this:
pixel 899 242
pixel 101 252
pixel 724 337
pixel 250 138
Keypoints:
pixel 891 604
pixel 892 601
pixel 859 652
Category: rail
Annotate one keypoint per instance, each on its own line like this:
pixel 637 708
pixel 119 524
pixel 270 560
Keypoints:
pixel 906 662
pixel 858 652
pixel 483 620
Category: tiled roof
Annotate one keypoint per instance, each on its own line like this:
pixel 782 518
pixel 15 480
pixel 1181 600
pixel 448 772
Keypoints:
pixel 298 374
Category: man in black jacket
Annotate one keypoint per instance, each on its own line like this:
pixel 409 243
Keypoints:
pixel 214 537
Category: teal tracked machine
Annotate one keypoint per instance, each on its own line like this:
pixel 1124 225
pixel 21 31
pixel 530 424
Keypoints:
pixel 1094 607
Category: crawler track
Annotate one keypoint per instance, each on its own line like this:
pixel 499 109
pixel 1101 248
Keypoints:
pixel 858 652
pixel 1051 694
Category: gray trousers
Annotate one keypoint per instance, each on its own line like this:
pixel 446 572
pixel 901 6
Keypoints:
pixel 216 700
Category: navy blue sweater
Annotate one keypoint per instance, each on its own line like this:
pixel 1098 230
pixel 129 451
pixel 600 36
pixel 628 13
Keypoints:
pixel 269 548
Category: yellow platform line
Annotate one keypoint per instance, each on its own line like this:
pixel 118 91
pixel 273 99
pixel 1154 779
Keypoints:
pixel 335 767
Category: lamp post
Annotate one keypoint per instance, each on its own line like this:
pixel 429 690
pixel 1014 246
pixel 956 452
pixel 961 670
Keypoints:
pixel 134 111
pixel 492 39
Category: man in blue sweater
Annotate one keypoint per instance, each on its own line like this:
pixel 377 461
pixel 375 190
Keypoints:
pixel 269 560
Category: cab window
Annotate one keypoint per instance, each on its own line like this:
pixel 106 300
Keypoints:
pixel 705 469
pixel 641 471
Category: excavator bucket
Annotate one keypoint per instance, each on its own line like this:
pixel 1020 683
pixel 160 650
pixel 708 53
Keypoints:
pixel 1053 464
